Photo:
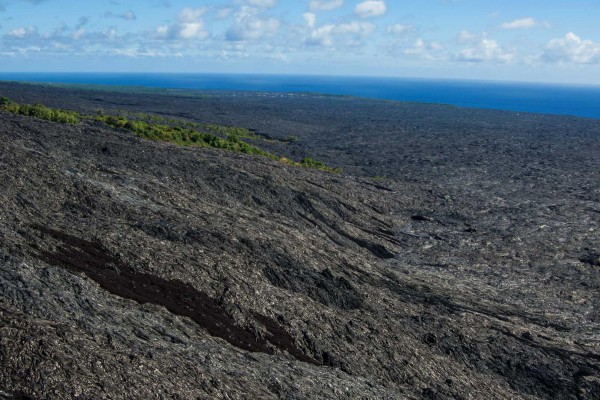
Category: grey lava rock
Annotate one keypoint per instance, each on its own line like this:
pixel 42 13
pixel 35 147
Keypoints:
pixel 142 270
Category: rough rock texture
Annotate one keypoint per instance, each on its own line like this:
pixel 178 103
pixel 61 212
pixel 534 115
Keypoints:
pixel 135 269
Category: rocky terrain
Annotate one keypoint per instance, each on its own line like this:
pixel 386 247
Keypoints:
pixel 457 257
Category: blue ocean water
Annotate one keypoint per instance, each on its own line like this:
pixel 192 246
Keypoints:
pixel 581 101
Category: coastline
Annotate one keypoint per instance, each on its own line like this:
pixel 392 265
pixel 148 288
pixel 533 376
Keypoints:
pixel 571 100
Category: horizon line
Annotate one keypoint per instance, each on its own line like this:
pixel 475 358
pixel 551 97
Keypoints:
pixel 321 75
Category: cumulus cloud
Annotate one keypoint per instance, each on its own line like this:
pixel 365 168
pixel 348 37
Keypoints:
pixel 263 3
pixel 485 50
pixel 23 32
pixel 357 28
pixel 310 19
pixel 111 33
pixel 572 49
pixel 82 22
pixel 321 36
pixel 250 25
pixel 325 5
pixel 523 23
pixel 426 50
pixel 189 25
pixel 79 39
pixel 353 31
pixel 399 29
pixel 224 12
pixel 133 52
pixel 466 37
pixel 127 15
pixel 189 14
pixel 370 8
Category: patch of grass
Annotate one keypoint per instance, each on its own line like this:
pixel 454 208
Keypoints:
pixel 219 130
pixel 40 111
pixel 155 127
pixel 183 136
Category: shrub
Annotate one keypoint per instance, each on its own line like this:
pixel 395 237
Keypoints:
pixel 309 162
pixel 168 130
pixel 40 111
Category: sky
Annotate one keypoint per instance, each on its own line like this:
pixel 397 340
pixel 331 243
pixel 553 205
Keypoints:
pixel 527 40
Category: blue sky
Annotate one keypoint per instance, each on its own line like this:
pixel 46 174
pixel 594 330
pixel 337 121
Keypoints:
pixel 533 40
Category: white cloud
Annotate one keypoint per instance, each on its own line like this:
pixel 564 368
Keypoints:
pixel 163 31
pixel 263 3
pixel 189 14
pixel 127 15
pixel 324 35
pixel 135 53
pixel 249 25
pixel 192 30
pixel 324 5
pixel 485 50
pixel 77 34
pixel 399 29
pixel 524 23
pixel 426 50
pixel 321 36
pixel 23 32
pixel 310 19
pixel 572 49
pixel 224 13
pixel 189 26
pixel 478 48
pixel 466 37
pixel 370 8
pixel 111 33
pixel 356 28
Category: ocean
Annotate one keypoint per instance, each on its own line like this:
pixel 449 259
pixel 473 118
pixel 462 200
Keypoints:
pixel 578 100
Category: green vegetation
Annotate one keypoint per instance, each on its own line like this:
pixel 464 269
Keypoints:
pixel 40 111
pixel 310 163
pixel 232 131
pixel 155 127
pixel 182 136
pixel 219 130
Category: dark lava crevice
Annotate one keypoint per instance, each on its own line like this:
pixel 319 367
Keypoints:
pixel 322 286
pixel 527 373
pixel 285 272
pixel 18 395
pixel 422 294
pixel 376 249
pixel 592 259
pixel 180 298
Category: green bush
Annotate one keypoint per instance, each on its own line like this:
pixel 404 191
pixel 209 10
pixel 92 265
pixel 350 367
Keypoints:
pixel 309 162
pixel 168 130
pixel 40 111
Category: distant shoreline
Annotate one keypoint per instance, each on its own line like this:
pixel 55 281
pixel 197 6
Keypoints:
pixel 576 100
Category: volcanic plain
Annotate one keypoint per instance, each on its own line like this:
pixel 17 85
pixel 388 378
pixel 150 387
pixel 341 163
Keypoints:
pixel 457 256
